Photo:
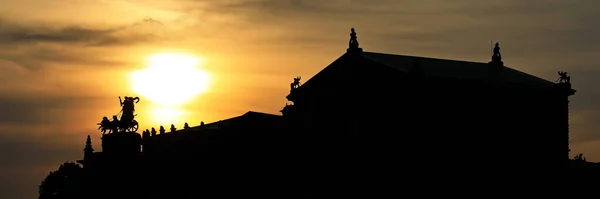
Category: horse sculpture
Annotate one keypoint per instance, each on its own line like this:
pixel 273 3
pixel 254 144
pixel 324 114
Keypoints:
pixel 105 125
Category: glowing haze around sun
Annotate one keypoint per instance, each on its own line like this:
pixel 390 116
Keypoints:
pixel 169 81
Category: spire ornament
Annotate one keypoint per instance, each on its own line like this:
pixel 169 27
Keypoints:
pixel 88 150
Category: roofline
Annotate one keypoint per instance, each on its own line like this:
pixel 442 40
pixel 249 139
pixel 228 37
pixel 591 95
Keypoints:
pixel 463 61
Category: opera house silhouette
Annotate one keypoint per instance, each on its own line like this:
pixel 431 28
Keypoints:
pixel 359 128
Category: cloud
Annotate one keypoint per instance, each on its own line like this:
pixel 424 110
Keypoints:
pixel 34 46
pixel 15 34
pixel 38 109
pixel 35 57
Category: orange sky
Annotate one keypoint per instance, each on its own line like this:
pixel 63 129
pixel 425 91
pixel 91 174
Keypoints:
pixel 64 63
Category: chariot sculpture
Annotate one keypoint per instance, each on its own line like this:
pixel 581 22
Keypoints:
pixel 125 122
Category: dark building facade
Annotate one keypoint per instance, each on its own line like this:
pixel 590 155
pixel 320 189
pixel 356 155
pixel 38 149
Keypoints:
pixel 445 110
pixel 364 117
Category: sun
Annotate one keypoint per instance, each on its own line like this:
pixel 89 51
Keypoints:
pixel 170 79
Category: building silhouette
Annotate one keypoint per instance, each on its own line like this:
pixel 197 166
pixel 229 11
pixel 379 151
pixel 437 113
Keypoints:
pixel 366 116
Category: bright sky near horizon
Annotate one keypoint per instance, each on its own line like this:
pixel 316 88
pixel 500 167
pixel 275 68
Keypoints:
pixel 63 64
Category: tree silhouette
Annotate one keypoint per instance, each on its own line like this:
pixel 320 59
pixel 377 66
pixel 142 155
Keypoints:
pixel 62 183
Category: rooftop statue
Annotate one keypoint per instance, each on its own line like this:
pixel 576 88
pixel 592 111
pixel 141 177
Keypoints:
pixel 296 83
pixel 126 123
pixel 353 41
pixel 563 77
pixel 496 57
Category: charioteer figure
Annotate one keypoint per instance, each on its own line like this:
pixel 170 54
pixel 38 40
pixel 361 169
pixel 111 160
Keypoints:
pixel 128 106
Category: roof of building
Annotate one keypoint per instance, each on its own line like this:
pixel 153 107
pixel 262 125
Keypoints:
pixel 250 116
pixel 455 69
pixel 437 68
pixel 248 120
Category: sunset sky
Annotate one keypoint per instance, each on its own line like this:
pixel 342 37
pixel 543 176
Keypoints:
pixel 63 64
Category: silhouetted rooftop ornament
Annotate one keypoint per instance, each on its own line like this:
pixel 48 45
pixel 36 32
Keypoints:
pixel 353 43
pixel 88 145
pixel 580 157
pixel 146 134
pixel 186 126
pixel 296 83
pixel 563 77
pixel 162 130
pixel 88 151
pixel 153 131
pixel 173 129
pixel 496 57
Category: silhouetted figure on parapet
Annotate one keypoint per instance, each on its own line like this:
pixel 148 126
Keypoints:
pixel 146 134
pixel 173 129
pixel 563 77
pixel 162 130
pixel 153 132
pixel 186 126
pixel 202 123
pixel 580 158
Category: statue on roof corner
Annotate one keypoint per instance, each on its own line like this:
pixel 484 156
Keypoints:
pixel 496 57
pixel 296 83
pixel 563 77
pixel 353 41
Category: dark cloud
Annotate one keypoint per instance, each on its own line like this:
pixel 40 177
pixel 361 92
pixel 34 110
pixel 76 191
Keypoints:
pixel 293 7
pixel 28 111
pixel 16 34
pixel 35 46
pixel 36 57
